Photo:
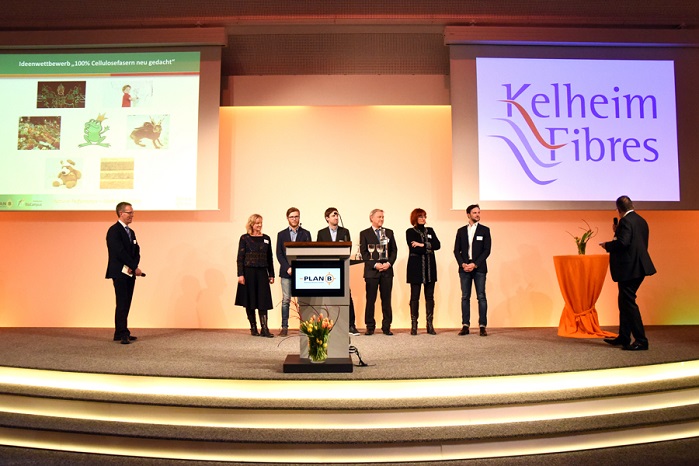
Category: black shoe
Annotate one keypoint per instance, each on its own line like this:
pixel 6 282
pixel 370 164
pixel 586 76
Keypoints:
pixel 129 337
pixel 353 331
pixel 387 332
pixel 464 330
pixel 125 341
pixel 483 332
pixel 614 341
pixel 636 346
pixel 369 331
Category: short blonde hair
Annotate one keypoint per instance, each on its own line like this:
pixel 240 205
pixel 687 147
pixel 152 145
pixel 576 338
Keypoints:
pixel 251 221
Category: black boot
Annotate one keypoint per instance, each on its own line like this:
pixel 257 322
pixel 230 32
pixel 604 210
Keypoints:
pixel 253 322
pixel 414 308
pixel 264 330
pixel 429 305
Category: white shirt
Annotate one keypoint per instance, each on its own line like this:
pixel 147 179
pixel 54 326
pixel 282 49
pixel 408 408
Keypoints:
pixel 471 234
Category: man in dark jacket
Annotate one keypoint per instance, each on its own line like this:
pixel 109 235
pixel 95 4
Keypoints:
pixel 629 264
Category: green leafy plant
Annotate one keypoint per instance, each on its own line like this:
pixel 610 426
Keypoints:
pixel 581 241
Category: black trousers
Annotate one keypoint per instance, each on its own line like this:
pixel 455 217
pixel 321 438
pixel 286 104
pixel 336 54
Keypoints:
pixel 123 289
pixel 630 322
pixel 384 285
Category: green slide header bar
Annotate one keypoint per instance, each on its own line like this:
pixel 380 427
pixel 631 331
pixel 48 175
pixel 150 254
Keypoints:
pixel 99 63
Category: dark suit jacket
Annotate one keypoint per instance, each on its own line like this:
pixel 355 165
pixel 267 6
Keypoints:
pixel 284 236
pixel 368 236
pixel 480 249
pixel 628 252
pixel 343 234
pixel 121 250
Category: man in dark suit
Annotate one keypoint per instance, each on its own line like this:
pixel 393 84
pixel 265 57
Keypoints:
pixel 629 264
pixel 334 232
pixel 294 232
pixel 471 249
pixel 378 271
pixel 122 267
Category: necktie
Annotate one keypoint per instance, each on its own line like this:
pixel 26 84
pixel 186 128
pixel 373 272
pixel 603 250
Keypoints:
pixel 378 235
pixel 128 232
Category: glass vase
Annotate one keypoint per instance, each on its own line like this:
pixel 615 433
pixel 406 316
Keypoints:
pixel 581 248
pixel 318 348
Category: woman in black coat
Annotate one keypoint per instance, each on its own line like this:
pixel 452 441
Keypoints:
pixel 255 275
pixel 422 268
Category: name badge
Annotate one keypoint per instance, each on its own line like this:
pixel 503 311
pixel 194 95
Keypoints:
pixel 429 236
pixel 134 242
pixel 479 238
pixel 266 241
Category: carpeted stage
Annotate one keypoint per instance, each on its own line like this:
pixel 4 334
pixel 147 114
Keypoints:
pixel 234 354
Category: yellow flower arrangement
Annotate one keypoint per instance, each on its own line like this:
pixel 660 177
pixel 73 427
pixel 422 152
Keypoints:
pixel 317 328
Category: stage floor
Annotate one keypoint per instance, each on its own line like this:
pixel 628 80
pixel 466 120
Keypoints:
pixel 234 354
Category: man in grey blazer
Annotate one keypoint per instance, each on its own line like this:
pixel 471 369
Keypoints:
pixel 335 232
pixel 294 232
pixel 629 264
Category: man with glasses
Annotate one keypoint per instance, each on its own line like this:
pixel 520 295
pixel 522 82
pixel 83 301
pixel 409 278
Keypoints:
pixel 294 232
pixel 122 267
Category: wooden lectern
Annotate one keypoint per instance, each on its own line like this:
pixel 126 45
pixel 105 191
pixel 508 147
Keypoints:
pixel 336 307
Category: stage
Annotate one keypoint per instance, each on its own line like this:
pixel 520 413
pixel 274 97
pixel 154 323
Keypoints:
pixel 221 395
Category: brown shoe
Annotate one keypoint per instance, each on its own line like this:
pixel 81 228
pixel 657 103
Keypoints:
pixel 483 332
pixel 284 332
pixel 464 330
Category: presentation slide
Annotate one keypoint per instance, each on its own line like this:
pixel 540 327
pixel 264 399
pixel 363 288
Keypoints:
pixel 576 130
pixel 83 131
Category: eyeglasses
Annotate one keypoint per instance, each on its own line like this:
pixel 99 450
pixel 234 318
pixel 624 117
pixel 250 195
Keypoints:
pixel 294 216
pixel 127 212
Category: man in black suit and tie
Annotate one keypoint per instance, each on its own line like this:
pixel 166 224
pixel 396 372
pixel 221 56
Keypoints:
pixel 294 232
pixel 378 273
pixel 122 267
pixel 471 249
pixel 629 264
pixel 334 232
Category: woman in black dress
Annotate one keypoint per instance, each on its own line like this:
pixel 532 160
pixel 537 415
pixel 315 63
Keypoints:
pixel 255 275
pixel 422 268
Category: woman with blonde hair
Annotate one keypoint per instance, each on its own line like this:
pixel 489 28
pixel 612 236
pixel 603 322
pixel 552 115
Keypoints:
pixel 255 275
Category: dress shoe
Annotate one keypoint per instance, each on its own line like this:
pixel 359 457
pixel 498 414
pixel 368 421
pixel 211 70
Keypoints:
pixel 284 332
pixel 483 332
pixel 125 341
pixel 369 331
pixel 387 332
pixel 129 337
pixel 615 341
pixel 353 331
pixel 636 346
pixel 464 330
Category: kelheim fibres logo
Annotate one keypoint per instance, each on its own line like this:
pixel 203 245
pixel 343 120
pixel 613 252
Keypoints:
pixel 562 102
pixel 328 279
pixel 553 129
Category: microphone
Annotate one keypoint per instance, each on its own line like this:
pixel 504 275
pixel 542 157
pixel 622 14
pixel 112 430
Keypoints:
pixel 342 224
pixel 616 221
pixel 143 274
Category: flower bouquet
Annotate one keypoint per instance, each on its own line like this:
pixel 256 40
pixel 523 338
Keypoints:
pixel 581 241
pixel 317 328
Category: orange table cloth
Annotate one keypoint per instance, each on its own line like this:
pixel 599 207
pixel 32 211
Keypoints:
pixel 581 278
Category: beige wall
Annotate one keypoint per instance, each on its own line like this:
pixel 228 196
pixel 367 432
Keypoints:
pixel 354 158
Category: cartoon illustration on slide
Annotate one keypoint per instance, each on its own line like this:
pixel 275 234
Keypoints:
pixel 94 132
pixel 39 133
pixel 68 176
pixel 149 130
pixel 67 94
pixel 127 98
pixel 135 94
